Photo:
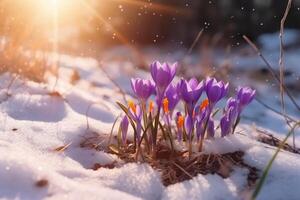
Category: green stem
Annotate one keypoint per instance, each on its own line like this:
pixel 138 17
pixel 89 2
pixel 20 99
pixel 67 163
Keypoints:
pixel 236 123
pixel 145 120
pixel 205 127
pixel 155 131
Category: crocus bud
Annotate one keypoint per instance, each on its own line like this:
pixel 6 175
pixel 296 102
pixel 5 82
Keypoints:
pixel 143 89
pixel 225 125
pixel 244 96
pixel 162 75
pixel 190 92
pixel 215 90
pixel 232 109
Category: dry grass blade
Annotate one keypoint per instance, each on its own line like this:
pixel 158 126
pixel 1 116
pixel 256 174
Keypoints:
pixel 183 170
pixel 271 140
pixel 112 130
pixel 62 148
pixel 55 94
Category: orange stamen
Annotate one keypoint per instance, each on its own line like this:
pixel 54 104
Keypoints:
pixel 132 106
pixel 166 105
pixel 204 104
pixel 180 121
pixel 151 106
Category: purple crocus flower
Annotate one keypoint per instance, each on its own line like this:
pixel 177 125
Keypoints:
pixel 244 96
pixel 190 92
pixel 142 88
pixel 124 128
pixel 225 125
pixel 189 126
pixel 215 90
pixel 232 108
pixel 162 75
pixel 172 96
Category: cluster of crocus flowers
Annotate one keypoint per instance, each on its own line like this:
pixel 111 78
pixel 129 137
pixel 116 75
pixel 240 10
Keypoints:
pixel 194 124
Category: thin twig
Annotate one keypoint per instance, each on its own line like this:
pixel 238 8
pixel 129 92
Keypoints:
pixel 274 110
pixel 281 53
pixel 195 42
pixel 281 62
pixel 276 77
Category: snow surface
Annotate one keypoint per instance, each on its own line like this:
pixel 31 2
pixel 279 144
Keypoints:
pixel 34 122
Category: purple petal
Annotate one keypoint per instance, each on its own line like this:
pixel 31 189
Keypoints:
pixel 225 126
pixel 153 67
pixel 173 69
pixel 193 83
pixel 214 93
pixel 211 128
pixel 188 124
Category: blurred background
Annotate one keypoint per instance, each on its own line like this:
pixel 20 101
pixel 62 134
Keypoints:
pixel 89 26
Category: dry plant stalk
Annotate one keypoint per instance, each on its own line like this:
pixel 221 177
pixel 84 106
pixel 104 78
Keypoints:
pixel 281 55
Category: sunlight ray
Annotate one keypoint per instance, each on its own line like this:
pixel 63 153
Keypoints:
pixel 120 36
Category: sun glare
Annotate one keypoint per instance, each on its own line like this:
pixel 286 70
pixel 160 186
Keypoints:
pixel 49 7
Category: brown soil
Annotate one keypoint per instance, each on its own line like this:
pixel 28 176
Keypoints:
pixel 42 183
pixel 177 166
